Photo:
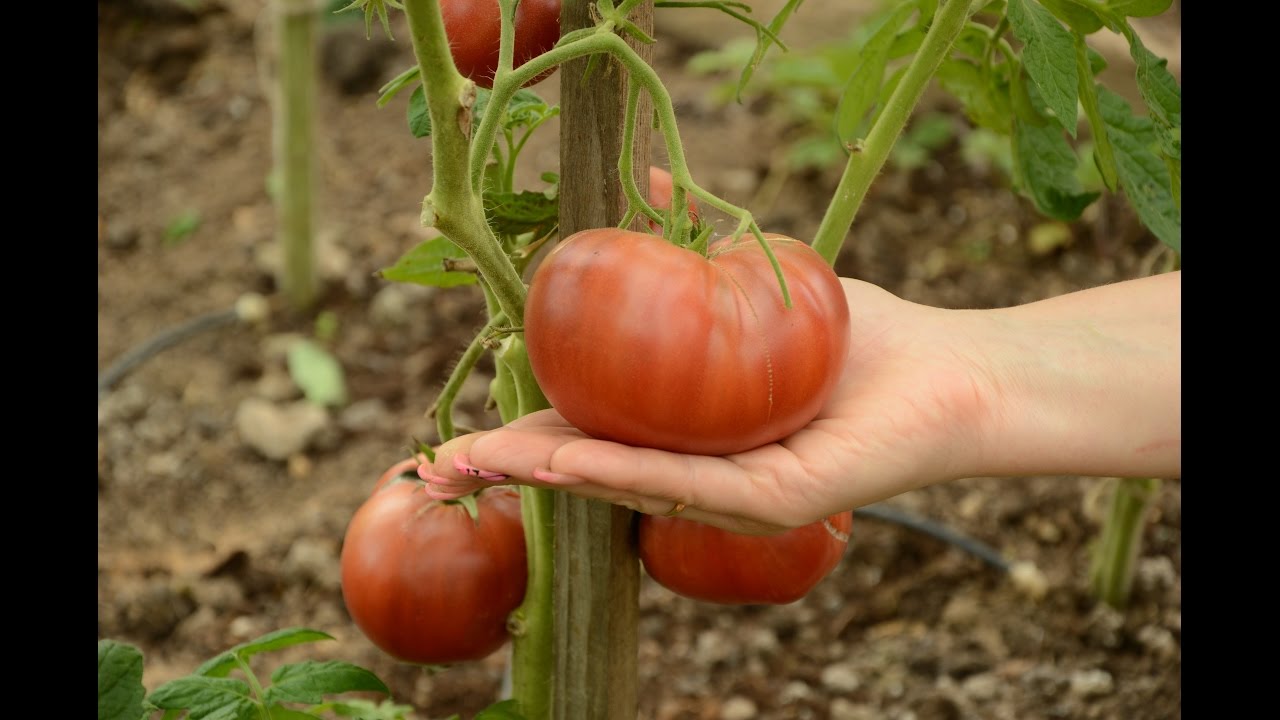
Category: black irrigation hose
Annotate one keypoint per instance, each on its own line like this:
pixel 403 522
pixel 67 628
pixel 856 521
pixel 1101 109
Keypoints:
pixel 160 342
pixel 977 548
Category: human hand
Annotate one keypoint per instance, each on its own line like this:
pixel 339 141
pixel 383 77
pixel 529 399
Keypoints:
pixel 902 416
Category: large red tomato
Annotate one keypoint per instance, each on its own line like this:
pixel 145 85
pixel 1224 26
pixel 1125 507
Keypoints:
pixel 474 28
pixel 637 340
pixel 706 563
pixel 428 584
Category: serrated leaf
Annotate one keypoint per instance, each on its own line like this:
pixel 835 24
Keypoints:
pixel 1046 167
pixel 1048 55
pixel 1143 175
pixel 1160 91
pixel 1139 8
pixel 279 712
pixel 419 115
pixel 863 87
pixel 222 664
pixel 424 265
pixel 504 710
pixel 318 373
pixel 368 710
pixel 526 109
pixel 120 689
pixel 522 212
pixel 764 42
pixel 984 102
pixel 1077 17
pixel 207 698
pixel 309 681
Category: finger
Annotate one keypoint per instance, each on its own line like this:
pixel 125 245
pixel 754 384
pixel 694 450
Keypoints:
pixel 742 486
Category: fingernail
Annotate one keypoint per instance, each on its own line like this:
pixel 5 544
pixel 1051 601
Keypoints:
pixel 462 464
pixel 555 478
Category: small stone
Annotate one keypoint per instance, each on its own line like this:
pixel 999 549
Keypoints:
pixel 961 611
pixel 121 237
pixel 762 640
pixel 712 647
pixel 982 687
pixel 1092 683
pixel 298 466
pixel 1158 640
pixel 842 709
pixel 1156 573
pixel 841 678
pixel 219 593
pixel 795 691
pixel 738 708
pixel 363 415
pixel 312 560
pixel 1104 625
pixel 277 432
pixel 1028 580
pixel 244 627
pixel 276 385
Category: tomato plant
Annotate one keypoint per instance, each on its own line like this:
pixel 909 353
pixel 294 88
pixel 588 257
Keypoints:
pixel 660 185
pixel 706 563
pixel 474 28
pixel 614 318
pixel 426 582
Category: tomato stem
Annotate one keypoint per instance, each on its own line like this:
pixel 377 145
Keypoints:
pixel 1111 570
pixel 635 200
pixel 443 406
pixel 868 157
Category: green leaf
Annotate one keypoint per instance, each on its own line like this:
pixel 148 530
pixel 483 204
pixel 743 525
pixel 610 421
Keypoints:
pixel 368 710
pixel 279 712
pixel 424 265
pixel 207 698
pixel 1139 8
pixel 1143 175
pixel 1160 91
pixel 1097 63
pixel 504 710
pixel 764 41
pixel 398 83
pixel 1046 168
pixel 1077 17
pixel 419 116
pixel 120 689
pixel 221 665
pixel 1049 56
pixel 318 373
pixel 526 109
pixel 309 681
pixel 181 227
pixel 863 87
pixel 522 212
pixel 984 102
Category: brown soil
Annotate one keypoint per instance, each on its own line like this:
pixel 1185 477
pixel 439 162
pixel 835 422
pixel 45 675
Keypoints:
pixel 203 543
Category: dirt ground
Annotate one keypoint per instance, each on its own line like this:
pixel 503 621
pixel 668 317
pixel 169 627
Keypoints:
pixel 203 542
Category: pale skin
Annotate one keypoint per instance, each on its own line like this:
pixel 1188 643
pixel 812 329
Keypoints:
pixel 1087 383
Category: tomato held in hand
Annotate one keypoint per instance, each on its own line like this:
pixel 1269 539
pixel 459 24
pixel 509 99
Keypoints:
pixel 713 565
pixel 407 468
pixel 636 340
pixel 474 28
pixel 660 188
pixel 428 584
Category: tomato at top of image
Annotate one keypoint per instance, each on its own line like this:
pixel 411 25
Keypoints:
pixel 637 340
pixel 474 28
pixel 707 563
pixel 424 581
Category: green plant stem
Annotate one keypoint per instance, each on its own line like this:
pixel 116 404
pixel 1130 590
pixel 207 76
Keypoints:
pixel 634 198
pixel 254 686
pixel 1111 571
pixel 443 406
pixel 294 134
pixel 867 158
pixel 452 206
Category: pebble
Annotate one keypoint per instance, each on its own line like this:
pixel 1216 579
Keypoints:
pixel 795 691
pixel 1091 683
pixel 841 678
pixel 312 560
pixel 762 640
pixel 842 709
pixel 1028 580
pixel 275 431
pixel 712 647
pixel 1156 573
pixel 1158 640
pixel 961 610
pixel 276 385
pixel 363 415
pixel 738 708
pixel 983 686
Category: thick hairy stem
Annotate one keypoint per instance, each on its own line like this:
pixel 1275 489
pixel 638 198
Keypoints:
pixel 1111 572
pixel 868 157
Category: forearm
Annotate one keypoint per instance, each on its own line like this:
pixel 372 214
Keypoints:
pixel 1088 383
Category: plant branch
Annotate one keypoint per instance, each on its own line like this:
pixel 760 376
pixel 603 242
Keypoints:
pixel 867 158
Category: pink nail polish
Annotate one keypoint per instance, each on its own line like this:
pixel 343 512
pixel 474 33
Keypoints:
pixel 462 464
